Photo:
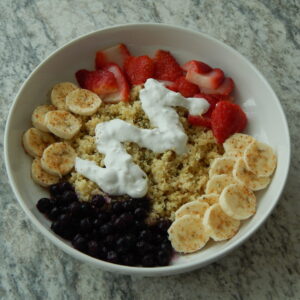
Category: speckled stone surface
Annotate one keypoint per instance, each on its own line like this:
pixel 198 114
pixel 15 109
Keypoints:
pixel 267 266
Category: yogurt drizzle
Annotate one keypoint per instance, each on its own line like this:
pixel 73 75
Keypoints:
pixel 121 175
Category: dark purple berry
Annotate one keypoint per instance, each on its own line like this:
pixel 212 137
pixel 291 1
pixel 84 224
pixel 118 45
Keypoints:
pixel 85 209
pixel 98 201
pixel 140 203
pixel 145 235
pixel 166 246
pixel 85 225
pixel 79 243
pixel 65 186
pixel 106 229
pixel 65 218
pixel 112 257
pixel 54 190
pixel 103 217
pixel 163 225
pixel 148 260
pixel 128 259
pixel 54 213
pixel 124 243
pixel 144 247
pixel 163 258
pixel 117 207
pixel 113 218
pixel 44 205
pixel 68 197
pixel 93 248
pixel 138 225
pixel 103 252
pixel 109 241
pixel 140 213
pixel 158 238
pixel 127 205
pixel 75 209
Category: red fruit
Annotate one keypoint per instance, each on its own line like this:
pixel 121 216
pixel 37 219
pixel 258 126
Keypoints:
pixel 210 80
pixel 212 100
pixel 139 68
pixel 123 86
pixel 101 82
pixel 227 119
pixel 116 54
pixel 225 88
pixel 199 121
pixel 197 66
pixel 165 66
pixel 184 87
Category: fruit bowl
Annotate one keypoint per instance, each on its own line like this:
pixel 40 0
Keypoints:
pixel 267 123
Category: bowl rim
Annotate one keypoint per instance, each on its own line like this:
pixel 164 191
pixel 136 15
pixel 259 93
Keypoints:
pixel 157 271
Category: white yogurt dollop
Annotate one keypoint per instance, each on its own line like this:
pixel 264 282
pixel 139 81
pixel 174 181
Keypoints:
pixel 121 175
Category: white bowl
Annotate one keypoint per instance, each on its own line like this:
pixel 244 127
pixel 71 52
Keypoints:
pixel 267 123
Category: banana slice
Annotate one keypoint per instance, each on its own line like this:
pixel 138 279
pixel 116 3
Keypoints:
pixel 83 102
pixel 260 159
pixel 219 226
pixel 236 144
pixel 38 116
pixel 238 202
pixel 210 199
pixel 222 165
pixel 217 183
pixel 187 234
pixel 41 177
pixel 60 92
pixel 58 159
pixel 62 123
pixel 36 141
pixel 192 208
pixel 242 175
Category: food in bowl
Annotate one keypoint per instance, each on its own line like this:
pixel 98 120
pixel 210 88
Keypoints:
pixel 152 143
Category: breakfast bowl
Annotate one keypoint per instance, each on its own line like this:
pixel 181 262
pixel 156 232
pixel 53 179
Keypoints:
pixel 266 123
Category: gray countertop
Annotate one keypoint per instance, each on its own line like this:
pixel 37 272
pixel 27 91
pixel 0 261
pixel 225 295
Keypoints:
pixel 267 266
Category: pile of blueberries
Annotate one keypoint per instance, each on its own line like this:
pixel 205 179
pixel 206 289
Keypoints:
pixel 114 231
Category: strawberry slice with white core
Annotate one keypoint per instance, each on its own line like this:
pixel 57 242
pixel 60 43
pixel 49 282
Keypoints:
pixel 116 54
pixel 210 80
pixel 197 66
pixel 123 86
pixel 225 88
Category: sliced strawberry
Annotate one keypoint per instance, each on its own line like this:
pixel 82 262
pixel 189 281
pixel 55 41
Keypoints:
pixel 225 88
pixel 116 54
pixel 123 86
pixel 210 80
pixel 166 67
pixel 197 66
pixel 101 82
pixel 199 121
pixel 227 119
pixel 139 68
pixel 212 100
pixel 184 87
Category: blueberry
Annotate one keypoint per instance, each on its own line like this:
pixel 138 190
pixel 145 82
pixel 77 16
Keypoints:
pixel 93 248
pixel 44 205
pixel 113 218
pixel 128 259
pixel 65 186
pixel 85 209
pixel 145 235
pixel 138 225
pixel 85 225
pixel 54 213
pixel 112 257
pixel 98 201
pixel 65 218
pixel 68 197
pixel 117 207
pixel 144 247
pixel 110 241
pixel 106 229
pixel 79 243
pixel 75 209
pixel 127 205
pixel 54 190
pixel 125 242
pixel 148 260
pixel 63 229
pixel 103 217
pixel 166 246
pixel 123 222
pixel 140 213
pixel 158 238
pixel 103 250
pixel 163 258
pixel 163 225
pixel 140 203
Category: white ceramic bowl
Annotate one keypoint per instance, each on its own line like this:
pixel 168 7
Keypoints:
pixel 267 122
